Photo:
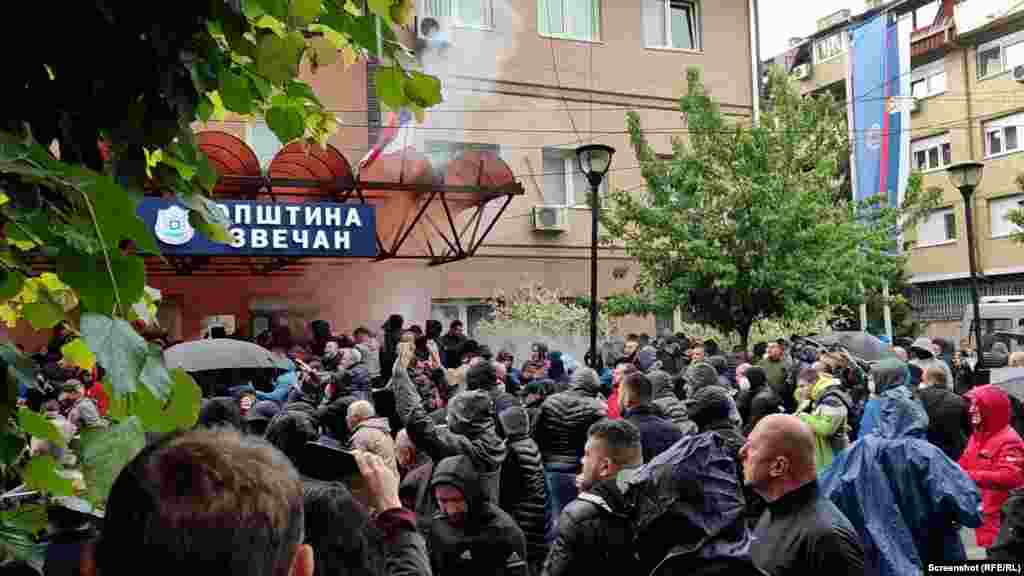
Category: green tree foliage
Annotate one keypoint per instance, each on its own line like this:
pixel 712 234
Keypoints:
pixel 748 222
pixel 133 78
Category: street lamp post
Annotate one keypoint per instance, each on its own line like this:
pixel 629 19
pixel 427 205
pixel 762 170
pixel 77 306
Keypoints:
pixel 965 176
pixel 594 160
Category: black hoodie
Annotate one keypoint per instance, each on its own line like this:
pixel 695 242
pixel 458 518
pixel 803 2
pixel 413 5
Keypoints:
pixel 759 400
pixel 524 493
pixel 489 541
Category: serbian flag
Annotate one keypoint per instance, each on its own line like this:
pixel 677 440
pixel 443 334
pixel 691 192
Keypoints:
pixel 394 138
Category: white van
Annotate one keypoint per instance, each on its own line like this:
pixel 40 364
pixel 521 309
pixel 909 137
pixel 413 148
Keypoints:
pixel 1001 317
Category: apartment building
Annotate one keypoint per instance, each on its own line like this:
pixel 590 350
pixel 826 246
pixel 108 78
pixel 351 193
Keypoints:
pixel 968 103
pixel 526 80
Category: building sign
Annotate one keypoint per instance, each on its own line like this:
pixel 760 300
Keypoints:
pixel 268 229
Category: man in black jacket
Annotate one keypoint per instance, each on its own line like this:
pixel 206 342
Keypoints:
pixel 949 424
pixel 484 376
pixel 757 401
pixel 469 535
pixel 800 531
pixel 664 397
pixel 657 433
pixel 561 434
pixel 595 535
pixel 524 492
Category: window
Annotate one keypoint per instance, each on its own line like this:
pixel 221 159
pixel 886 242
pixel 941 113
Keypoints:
pixel 671 24
pixel 1001 136
pixel 931 153
pixel 938 228
pixel 469 13
pixel 829 47
pixel 574 19
pixel 440 152
pixel 998 209
pixel 470 312
pixel 1000 55
pixel 263 142
pixel 928 80
pixel 564 184
pixel 925 15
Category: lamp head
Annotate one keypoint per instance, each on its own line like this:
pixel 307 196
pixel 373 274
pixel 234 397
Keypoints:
pixel 594 161
pixel 965 174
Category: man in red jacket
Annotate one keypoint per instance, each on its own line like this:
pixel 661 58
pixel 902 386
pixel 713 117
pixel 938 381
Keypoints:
pixel 994 457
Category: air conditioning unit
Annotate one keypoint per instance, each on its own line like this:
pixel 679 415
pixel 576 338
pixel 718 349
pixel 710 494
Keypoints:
pixel 915 105
pixel 548 218
pixel 426 31
pixel 802 72
pixel 1018 73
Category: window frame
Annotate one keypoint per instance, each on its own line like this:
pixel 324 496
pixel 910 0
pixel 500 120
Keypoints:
pixel 841 36
pixel 928 74
pixel 455 18
pixel 926 145
pixel 597 13
pixel 1001 126
pixel 943 214
pixel 570 170
pixel 1001 44
pixel 666 22
pixel 1007 199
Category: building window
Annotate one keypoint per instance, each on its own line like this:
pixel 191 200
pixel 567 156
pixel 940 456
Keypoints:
pixel 928 80
pixel 931 153
pixel 925 15
pixel 573 19
pixel 470 312
pixel 829 47
pixel 1000 55
pixel 469 13
pixel 441 152
pixel 263 142
pixel 938 228
pixel 672 24
pixel 999 209
pixel 564 184
pixel 1002 135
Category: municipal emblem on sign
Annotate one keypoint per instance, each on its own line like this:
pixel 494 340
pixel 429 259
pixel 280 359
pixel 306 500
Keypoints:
pixel 172 226
pixel 873 138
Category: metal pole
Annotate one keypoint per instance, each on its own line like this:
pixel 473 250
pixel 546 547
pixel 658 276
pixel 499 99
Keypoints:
pixel 594 209
pixel 967 192
pixel 886 309
pixel 863 309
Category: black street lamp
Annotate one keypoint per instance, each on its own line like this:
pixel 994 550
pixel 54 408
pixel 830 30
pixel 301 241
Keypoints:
pixel 594 160
pixel 965 176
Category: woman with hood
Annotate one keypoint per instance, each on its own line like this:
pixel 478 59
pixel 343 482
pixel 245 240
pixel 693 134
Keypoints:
pixel 994 457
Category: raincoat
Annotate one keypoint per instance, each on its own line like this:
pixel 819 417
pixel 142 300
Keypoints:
pixel 828 419
pixel 688 505
pixel 994 458
pixel 902 493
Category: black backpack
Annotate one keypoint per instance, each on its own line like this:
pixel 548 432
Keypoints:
pixel 1009 544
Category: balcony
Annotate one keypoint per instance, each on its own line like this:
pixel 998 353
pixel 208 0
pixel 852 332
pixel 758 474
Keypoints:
pixel 930 38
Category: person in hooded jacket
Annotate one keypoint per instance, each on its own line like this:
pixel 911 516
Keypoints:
pixel 470 535
pixel 894 473
pixel 657 432
pixel 470 429
pixel 994 457
pixel 949 424
pixel 665 399
pixel 623 368
pixel 892 379
pixel 561 434
pixel 524 492
pixel 647 359
pixel 826 412
pixel 757 401
pixel 923 352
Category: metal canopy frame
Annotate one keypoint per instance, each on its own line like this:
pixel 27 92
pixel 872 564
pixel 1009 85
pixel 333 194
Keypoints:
pixel 454 244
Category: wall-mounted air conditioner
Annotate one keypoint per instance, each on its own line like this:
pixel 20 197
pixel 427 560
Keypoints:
pixel 802 72
pixel 548 218
pixel 1018 73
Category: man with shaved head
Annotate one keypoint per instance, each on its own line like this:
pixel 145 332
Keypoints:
pixel 800 531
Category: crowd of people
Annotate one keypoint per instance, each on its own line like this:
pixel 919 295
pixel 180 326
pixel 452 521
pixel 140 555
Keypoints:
pixel 663 457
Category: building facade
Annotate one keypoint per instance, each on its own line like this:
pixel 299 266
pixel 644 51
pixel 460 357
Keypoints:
pixel 528 80
pixel 967 105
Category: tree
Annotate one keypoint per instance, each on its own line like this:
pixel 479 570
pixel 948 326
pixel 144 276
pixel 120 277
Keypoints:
pixel 130 79
pixel 747 222
pixel 1016 216
pixel 542 311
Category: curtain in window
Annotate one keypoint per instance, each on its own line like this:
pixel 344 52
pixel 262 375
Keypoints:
pixel 474 12
pixel 682 25
pixel 654 22
pixel 554 177
pixel 439 8
pixel 580 18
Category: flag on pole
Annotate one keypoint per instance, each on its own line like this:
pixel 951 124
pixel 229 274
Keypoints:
pixel 394 138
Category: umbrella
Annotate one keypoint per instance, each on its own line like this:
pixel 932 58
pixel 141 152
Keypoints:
pixel 861 344
pixel 218 354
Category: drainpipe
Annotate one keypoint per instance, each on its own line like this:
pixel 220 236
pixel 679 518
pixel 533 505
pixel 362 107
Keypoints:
pixel 755 58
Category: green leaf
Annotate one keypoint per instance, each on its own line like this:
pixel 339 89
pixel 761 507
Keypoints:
pixel 41 474
pixel 105 452
pixel 390 90
pixel 305 11
pixel 91 280
pixel 234 92
pixel 381 8
pixel 337 39
pixel 277 59
pixel 11 283
pixel 215 232
pixel 42 315
pixel 22 367
pixel 185 401
pixel 204 110
pixel 115 211
pixel 78 354
pixel 118 348
pixel 206 174
pixel 287 123
pixel 28 517
pixel 9 398
pixel 423 90
pixel 11 448
pixel 253 9
pixel 17 237
pixel 154 375
pixel 20 545
pixel 324 52
pixel 268 22
pixel 37 426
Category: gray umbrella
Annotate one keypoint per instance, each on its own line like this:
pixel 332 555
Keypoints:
pixel 860 344
pixel 218 354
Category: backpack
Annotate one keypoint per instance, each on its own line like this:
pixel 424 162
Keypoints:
pixel 1016 414
pixel 854 413
pixel 1009 544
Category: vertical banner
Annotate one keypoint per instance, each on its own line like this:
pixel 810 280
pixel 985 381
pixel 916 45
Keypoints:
pixel 878 107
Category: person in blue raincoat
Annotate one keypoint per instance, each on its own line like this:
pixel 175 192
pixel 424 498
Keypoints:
pixel 903 494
